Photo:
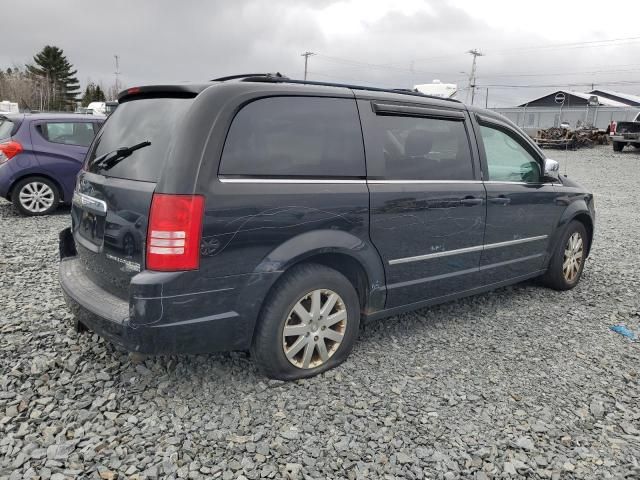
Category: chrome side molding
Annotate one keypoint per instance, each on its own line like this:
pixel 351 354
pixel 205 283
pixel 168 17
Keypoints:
pixel 460 251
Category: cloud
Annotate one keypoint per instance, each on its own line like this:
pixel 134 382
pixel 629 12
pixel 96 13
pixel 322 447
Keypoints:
pixel 387 43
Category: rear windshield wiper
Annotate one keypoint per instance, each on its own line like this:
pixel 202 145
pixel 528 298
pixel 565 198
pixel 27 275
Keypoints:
pixel 112 158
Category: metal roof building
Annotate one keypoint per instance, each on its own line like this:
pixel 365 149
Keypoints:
pixel 595 108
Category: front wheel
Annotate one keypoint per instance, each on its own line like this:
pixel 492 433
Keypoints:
pixel 308 324
pixel 567 261
pixel 618 146
pixel 35 196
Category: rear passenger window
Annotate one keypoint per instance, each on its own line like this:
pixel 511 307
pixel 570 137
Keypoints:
pixel 295 136
pixel 418 148
pixel 69 133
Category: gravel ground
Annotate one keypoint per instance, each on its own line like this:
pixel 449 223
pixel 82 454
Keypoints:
pixel 523 382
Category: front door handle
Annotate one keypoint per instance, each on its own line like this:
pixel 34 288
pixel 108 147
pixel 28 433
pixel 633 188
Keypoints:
pixel 470 201
pixel 500 200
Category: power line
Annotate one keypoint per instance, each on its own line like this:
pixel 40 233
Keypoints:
pixel 592 72
pixel 356 63
pixel 591 43
pixel 559 85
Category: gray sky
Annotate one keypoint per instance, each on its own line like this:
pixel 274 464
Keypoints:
pixel 376 42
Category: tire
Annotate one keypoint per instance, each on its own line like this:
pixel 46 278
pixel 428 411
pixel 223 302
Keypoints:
pixel 35 196
pixel 302 288
pixel 557 277
pixel 618 146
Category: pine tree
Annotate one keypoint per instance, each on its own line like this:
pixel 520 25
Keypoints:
pixel 93 93
pixel 57 75
pixel 98 95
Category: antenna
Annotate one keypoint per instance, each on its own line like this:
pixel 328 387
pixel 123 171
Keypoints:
pixel 117 72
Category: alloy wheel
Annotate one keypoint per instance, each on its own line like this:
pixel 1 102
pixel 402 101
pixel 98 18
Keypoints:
pixel 573 257
pixel 36 197
pixel 314 328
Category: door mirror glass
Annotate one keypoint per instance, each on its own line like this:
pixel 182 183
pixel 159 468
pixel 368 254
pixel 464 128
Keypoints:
pixel 551 169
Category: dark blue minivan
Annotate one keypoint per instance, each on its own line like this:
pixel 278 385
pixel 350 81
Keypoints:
pixel 40 156
pixel 272 215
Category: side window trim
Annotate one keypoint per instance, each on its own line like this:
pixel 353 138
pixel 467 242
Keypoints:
pixel 416 111
pixel 483 121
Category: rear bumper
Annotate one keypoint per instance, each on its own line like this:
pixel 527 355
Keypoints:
pixel 147 323
pixel 629 137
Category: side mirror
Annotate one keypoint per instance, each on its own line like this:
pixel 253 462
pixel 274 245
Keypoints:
pixel 551 169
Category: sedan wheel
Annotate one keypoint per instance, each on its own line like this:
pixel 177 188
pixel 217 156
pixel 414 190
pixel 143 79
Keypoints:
pixel 314 329
pixel 35 196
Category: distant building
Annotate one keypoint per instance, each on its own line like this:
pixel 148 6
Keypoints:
pixel 595 108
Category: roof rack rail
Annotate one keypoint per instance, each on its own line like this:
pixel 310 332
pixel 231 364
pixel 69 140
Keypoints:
pixel 248 76
pixel 277 78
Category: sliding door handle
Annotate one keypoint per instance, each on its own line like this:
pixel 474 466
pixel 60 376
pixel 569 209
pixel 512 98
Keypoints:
pixel 500 200
pixel 470 201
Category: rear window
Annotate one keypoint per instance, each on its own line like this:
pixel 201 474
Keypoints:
pixel 6 127
pixel 295 136
pixel 68 133
pixel 153 119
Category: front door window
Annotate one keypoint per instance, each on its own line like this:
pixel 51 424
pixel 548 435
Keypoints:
pixel 507 160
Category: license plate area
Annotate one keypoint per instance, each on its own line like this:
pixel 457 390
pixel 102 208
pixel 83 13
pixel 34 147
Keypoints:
pixel 91 227
pixel 89 219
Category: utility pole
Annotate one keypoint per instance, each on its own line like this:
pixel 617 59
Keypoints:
pixel 486 99
pixel 472 78
pixel 117 72
pixel 306 56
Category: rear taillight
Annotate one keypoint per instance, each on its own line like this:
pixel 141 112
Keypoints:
pixel 8 150
pixel 175 227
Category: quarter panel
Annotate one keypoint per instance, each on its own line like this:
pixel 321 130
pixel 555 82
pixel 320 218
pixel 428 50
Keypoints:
pixel 248 226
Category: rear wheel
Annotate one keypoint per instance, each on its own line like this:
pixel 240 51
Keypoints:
pixel 618 146
pixel 567 262
pixel 308 324
pixel 35 196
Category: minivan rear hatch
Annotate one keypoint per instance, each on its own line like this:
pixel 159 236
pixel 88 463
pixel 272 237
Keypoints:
pixel 114 189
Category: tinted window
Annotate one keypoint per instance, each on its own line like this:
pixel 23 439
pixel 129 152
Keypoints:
pixel 153 119
pixel 69 133
pixel 6 127
pixel 417 148
pixel 507 159
pixel 295 136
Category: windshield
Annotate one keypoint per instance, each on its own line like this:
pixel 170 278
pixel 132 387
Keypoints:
pixel 6 127
pixel 153 119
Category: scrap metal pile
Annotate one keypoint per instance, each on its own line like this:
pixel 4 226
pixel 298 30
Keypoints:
pixel 559 137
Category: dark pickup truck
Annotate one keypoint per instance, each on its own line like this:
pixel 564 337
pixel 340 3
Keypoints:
pixel 626 133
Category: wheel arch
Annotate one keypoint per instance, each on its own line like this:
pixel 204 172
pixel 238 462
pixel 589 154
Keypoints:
pixel 353 257
pixel 577 210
